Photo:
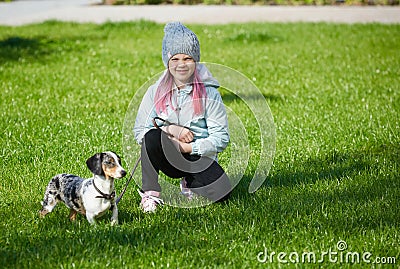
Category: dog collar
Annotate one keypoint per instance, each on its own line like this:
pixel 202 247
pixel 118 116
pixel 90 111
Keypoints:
pixel 110 196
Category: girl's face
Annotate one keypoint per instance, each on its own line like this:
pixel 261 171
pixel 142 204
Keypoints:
pixel 181 67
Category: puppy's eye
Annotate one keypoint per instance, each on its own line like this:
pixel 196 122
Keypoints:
pixel 108 162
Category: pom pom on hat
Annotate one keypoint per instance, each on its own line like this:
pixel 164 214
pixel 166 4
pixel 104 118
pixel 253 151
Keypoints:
pixel 179 39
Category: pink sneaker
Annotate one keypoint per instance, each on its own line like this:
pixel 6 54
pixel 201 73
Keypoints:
pixel 185 190
pixel 150 200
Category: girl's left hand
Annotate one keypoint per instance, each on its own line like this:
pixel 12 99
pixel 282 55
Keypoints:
pixel 183 147
pixel 179 132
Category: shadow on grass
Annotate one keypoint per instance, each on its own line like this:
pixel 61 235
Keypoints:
pixel 342 192
pixel 254 37
pixel 334 167
pixel 38 48
pixel 229 97
pixel 64 37
pixel 16 47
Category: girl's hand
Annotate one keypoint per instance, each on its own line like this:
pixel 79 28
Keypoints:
pixel 180 133
pixel 183 147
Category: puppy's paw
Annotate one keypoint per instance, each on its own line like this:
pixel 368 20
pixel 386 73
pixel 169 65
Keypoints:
pixel 43 212
pixel 114 222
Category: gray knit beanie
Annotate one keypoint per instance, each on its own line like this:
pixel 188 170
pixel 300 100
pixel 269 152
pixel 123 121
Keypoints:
pixel 179 39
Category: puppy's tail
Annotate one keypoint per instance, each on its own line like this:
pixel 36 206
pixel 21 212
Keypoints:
pixel 51 196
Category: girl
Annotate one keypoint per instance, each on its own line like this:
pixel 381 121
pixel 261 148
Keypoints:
pixel 195 129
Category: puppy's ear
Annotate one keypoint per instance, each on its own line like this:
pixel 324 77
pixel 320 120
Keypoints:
pixel 94 164
pixel 118 157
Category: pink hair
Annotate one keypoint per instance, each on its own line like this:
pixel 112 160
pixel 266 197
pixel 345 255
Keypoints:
pixel 163 96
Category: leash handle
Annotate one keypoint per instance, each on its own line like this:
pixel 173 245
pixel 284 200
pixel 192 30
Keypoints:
pixel 161 119
pixel 166 122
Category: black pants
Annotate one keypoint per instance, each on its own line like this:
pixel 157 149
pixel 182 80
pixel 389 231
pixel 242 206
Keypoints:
pixel 203 175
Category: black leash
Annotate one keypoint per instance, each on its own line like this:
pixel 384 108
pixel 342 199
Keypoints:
pixel 129 180
pixel 138 160
pixel 137 163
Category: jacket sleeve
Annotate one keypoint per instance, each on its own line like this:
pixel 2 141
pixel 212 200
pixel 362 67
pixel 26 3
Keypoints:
pixel 217 126
pixel 146 113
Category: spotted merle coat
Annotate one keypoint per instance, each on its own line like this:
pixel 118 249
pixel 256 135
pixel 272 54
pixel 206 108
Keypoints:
pixel 90 197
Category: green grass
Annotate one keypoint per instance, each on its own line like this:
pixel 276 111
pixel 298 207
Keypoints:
pixel 333 90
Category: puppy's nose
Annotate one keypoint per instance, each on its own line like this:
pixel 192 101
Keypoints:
pixel 123 173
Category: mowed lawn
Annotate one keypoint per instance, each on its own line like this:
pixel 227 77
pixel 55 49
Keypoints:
pixel 332 195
